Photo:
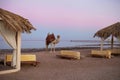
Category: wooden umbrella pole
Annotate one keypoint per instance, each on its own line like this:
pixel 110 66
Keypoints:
pixel 112 39
pixel 102 40
pixel 18 64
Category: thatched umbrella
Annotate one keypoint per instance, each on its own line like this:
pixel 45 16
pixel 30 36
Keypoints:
pixel 112 30
pixel 15 22
pixel 11 27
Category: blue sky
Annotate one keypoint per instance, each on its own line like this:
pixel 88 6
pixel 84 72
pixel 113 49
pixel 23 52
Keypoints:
pixel 72 19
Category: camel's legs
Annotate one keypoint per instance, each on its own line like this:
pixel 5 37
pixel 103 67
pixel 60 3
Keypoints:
pixel 51 48
pixel 46 47
pixel 54 48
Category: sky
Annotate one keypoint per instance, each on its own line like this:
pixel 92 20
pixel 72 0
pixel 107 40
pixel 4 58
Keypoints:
pixel 71 19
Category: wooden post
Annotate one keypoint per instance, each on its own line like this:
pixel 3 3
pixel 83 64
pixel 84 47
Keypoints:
pixel 102 41
pixel 18 64
pixel 112 41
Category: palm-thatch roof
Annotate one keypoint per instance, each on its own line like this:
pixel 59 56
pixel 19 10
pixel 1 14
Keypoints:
pixel 15 22
pixel 113 30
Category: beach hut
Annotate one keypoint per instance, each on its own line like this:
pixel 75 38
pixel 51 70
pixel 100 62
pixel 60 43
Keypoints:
pixel 110 31
pixel 11 27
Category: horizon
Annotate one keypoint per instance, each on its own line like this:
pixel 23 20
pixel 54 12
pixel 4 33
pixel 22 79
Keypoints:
pixel 72 20
pixel 38 44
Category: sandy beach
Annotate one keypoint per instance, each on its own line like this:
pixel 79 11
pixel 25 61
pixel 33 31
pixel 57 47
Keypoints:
pixel 53 68
pixel 84 26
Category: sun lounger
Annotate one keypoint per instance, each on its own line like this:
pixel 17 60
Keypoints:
pixel 104 53
pixel 115 51
pixel 26 58
pixel 69 54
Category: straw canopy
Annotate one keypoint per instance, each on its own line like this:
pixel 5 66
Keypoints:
pixel 15 22
pixel 113 30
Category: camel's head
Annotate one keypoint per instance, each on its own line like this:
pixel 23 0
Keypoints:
pixel 58 36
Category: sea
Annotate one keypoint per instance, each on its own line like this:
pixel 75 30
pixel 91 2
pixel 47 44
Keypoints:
pixel 63 43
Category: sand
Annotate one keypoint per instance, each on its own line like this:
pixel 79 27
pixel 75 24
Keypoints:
pixel 54 68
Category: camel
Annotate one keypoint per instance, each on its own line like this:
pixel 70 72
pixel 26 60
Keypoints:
pixel 52 41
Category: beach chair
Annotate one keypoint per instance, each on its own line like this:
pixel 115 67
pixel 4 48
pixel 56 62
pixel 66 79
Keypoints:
pixel 115 51
pixel 25 58
pixel 69 54
pixel 99 53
